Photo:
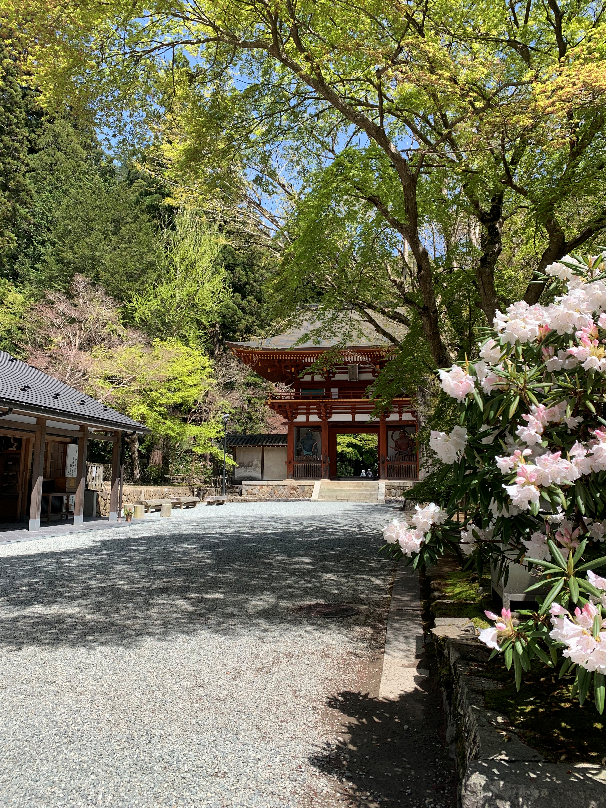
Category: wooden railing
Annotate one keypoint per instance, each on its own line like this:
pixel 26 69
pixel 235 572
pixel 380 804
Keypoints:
pixel 402 470
pixel 307 469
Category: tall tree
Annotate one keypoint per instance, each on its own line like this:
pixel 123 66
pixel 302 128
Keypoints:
pixel 16 107
pixel 497 105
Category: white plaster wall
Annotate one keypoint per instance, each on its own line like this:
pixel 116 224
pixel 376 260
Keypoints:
pixel 274 466
pixel 248 459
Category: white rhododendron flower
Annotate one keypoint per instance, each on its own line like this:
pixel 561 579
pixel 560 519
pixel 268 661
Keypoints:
pixel 576 633
pixel 597 531
pixel 449 448
pixel 520 323
pixel 471 537
pixel 390 532
pixel 431 514
pixel 491 352
pixel 409 538
pixel 456 382
pixel 560 271
pixel 536 546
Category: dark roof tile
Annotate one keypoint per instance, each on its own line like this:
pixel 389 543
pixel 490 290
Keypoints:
pixel 256 440
pixel 28 389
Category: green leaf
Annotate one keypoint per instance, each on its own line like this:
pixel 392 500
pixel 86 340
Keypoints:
pixel 584 680
pixel 568 663
pixel 508 654
pixel 478 399
pixel 599 691
pixel 540 653
pixel 579 552
pixel 597 625
pixel 517 667
pixel 545 564
pixel 590 588
pixel 574 589
pixel 554 592
pixel 556 554
pixel 513 407
pixel 591 565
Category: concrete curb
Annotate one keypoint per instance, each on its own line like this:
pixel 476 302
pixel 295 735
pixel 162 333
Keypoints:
pixel 404 639
pixel 496 768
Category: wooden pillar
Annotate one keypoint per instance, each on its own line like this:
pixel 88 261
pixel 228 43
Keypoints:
pixel 81 478
pixel 35 504
pixel 325 450
pixel 290 450
pixel 115 481
pixel 382 448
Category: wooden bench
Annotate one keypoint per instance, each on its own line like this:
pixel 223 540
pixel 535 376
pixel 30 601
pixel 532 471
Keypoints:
pixel 176 502
pixel 152 504
pixel 215 500
pixel 185 502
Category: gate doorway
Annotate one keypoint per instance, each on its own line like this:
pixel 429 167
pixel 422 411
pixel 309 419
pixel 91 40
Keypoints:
pixel 357 455
pixel 353 450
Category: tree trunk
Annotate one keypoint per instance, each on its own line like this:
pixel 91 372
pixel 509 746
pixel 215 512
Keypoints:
pixel 491 246
pixel 133 445
pixel 155 458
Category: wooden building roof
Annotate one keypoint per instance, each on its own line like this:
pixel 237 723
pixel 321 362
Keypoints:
pixel 257 440
pixel 344 329
pixel 28 390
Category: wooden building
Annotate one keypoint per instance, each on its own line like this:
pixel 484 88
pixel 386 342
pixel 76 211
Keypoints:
pixel 319 404
pixel 45 427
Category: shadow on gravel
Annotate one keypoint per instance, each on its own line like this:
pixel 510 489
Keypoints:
pixel 216 573
pixel 391 753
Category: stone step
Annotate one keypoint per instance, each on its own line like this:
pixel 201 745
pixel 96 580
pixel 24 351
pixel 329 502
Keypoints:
pixel 348 491
pixel 361 486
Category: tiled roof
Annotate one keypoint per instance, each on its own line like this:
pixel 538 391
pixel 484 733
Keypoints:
pixel 30 390
pixel 346 327
pixel 257 440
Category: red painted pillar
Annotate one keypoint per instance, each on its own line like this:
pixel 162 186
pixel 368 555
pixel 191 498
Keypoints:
pixel 290 450
pixel 325 450
pixel 382 448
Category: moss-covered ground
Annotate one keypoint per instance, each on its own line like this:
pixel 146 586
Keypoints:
pixel 543 713
pixel 547 718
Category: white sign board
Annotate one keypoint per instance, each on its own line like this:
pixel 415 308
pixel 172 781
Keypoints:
pixel 71 461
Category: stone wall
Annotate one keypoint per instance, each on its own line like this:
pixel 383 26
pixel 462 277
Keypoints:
pixel 285 489
pixel 397 489
pixel 496 768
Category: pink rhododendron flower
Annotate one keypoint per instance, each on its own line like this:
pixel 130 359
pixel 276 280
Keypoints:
pixel 456 382
pixel 409 539
pixel 502 629
pixel 576 633
pixel 596 580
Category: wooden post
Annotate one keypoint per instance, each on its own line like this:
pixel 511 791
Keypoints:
pixel 325 450
pixel 115 481
pixel 37 474
pixel 290 450
pixel 382 448
pixel 81 478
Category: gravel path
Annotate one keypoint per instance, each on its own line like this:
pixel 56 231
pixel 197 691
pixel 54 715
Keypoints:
pixel 166 664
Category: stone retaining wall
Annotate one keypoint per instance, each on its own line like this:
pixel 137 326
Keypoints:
pixel 496 768
pixel 283 489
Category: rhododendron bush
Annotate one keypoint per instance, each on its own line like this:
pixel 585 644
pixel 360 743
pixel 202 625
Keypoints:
pixel 529 460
